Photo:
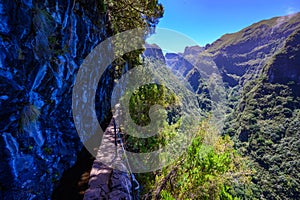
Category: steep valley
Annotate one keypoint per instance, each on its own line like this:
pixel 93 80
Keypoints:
pixel 248 80
pixel 260 68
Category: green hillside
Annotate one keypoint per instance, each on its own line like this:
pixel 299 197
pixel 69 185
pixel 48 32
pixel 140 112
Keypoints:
pixel 260 69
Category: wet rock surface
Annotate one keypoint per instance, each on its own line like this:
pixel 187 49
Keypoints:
pixel 42 45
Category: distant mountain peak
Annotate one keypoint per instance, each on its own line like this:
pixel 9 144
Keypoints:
pixel 193 50
pixel 263 31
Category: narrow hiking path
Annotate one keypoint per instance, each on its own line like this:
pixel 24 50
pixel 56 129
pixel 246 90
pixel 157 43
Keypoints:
pixel 107 182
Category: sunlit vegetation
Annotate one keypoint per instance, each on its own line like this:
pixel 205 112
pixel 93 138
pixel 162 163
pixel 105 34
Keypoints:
pixel 205 171
pixel 263 119
pixel 210 168
pixel 141 102
pixel 147 96
pixel 265 126
pixel 266 129
pixel 126 15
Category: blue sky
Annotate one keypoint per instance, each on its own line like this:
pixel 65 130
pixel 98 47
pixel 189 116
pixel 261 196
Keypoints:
pixel 204 21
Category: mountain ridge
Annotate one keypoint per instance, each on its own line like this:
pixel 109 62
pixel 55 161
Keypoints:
pixel 260 69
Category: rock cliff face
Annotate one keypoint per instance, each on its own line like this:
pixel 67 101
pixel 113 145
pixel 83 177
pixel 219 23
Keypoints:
pixel 285 68
pixel 153 51
pixel 42 44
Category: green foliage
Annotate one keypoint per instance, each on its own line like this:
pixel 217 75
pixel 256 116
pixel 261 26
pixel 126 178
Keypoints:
pixel 263 126
pixel 140 103
pixel 147 96
pixel 127 15
pixel 166 195
pixel 206 171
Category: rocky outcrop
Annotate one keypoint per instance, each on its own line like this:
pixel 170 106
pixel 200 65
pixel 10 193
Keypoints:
pixel 153 51
pixel 285 68
pixel 178 64
pixel 193 50
pixel 42 45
